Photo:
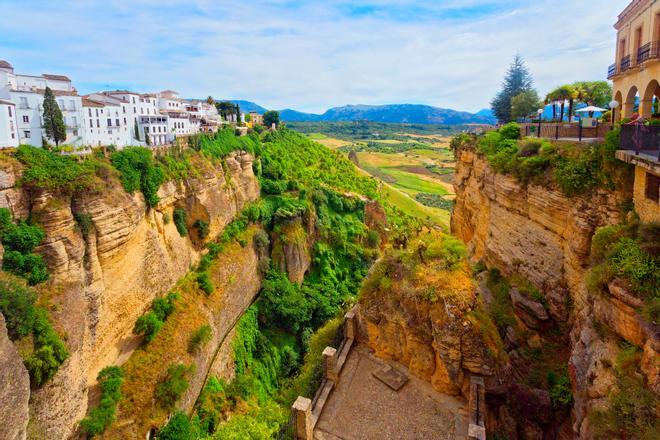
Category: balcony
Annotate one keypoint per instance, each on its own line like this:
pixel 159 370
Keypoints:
pixel 624 64
pixel 612 71
pixel 642 140
pixel 644 53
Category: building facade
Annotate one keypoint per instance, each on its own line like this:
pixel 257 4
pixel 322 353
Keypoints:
pixel 636 70
pixel 635 75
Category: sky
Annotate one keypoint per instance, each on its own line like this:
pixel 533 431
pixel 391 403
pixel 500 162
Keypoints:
pixel 311 55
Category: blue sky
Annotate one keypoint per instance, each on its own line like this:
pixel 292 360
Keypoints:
pixel 311 55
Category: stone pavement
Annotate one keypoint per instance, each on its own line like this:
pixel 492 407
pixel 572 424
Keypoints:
pixel 361 407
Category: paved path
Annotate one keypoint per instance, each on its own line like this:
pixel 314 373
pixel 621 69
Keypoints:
pixel 362 408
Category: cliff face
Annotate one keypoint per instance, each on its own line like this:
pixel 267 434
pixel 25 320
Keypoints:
pixel 542 235
pixel 14 389
pixel 105 279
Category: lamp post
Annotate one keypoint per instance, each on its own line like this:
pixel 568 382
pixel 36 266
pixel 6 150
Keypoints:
pixel 613 106
pixel 539 112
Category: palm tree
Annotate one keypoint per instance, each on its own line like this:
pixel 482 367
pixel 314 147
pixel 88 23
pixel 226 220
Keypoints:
pixel 550 98
pixel 562 94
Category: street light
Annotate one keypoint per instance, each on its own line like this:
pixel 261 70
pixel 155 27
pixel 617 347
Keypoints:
pixel 613 106
pixel 540 112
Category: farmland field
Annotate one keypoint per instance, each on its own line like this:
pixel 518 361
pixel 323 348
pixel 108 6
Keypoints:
pixel 416 169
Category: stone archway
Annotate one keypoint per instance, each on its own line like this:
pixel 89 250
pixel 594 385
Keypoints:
pixel 646 102
pixel 618 112
pixel 628 108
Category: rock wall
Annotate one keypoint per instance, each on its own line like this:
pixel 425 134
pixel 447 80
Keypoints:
pixel 14 389
pixel 541 234
pixel 104 281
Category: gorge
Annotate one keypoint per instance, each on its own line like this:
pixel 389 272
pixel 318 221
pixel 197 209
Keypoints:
pixel 254 246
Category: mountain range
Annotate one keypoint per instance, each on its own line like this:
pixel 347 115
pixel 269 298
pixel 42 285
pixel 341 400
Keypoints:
pixel 394 113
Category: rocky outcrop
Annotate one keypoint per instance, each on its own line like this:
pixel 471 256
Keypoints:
pixel 539 233
pixel 14 389
pixel 107 277
pixel 293 240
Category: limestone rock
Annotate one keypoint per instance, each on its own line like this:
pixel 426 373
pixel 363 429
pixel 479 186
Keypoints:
pixel 529 311
pixel 14 389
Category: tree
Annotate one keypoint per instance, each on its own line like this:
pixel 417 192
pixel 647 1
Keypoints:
pixel 271 117
pixel 225 108
pixel 238 114
pixel 524 104
pixel 53 120
pixel 210 100
pixel 598 93
pixel 136 131
pixel 562 94
pixel 517 80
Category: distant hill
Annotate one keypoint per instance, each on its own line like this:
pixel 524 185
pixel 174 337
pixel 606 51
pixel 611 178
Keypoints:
pixel 392 113
pixel 248 106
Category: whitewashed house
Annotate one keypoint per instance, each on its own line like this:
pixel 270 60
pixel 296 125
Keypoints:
pixel 8 130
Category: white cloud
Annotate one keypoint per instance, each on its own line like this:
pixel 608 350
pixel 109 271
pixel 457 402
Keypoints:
pixel 311 55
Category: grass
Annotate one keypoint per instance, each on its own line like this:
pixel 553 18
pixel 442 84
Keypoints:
pixel 147 366
pixel 413 208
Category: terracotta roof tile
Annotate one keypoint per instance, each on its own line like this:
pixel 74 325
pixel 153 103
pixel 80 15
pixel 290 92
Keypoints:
pixel 56 77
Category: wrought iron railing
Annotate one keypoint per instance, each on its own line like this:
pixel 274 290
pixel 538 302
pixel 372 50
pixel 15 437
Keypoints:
pixel 643 53
pixel 644 139
pixel 611 71
pixel 625 63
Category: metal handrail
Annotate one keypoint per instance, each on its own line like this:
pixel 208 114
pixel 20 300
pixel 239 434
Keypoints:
pixel 611 71
pixel 625 63
pixel 643 53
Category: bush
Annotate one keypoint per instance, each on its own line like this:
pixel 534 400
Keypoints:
pixel 561 393
pixel 54 172
pixel 110 380
pixel 138 172
pixel 84 222
pixel 373 239
pixel 261 240
pixel 200 337
pixel 174 384
pixel 17 305
pixel 19 241
pixel 574 175
pixel 202 228
pixel 179 428
pixel 205 283
pixel 179 217
pixel 450 249
pixel 510 131
pixel 150 323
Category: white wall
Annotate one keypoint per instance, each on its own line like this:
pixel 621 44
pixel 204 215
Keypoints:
pixel 8 133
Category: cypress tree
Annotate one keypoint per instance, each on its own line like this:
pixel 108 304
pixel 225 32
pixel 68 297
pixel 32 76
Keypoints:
pixel 136 131
pixel 53 120
pixel 517 80
pixel 238 114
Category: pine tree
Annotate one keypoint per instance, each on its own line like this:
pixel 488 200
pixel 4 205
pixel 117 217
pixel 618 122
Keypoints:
pixel 517 80
pixel 136 131
pixel 53 120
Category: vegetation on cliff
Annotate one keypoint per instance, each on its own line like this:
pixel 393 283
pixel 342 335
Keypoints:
pixel 42 348
pixel 110 380
pixel 19 240
pixel 574 168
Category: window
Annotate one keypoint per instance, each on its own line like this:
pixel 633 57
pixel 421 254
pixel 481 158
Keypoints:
pixel 9 108
pixel 72 104
pixel 146 129
pixel 123 108
pixel 26 134
pixel 97 113
pixel 89 110
pixel 109 122
pixel 91 123
pixel 652 187
pixel 75 132
pixel 74 121
pixel 125 121
pixel 133 102
pixel 117 122
pixel 134 109
pixel 26 119
pixel 23 103
pixel 98 123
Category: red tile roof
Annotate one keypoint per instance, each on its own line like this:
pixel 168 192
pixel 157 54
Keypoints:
pixel 5 65
pixel 86 102
pixel 56 77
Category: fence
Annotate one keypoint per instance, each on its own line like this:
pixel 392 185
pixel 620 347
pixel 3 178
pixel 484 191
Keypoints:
pixel 306 412
pixel 556 130
pixel 643 139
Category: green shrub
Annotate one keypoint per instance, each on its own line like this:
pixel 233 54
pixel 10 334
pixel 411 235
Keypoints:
pixel 373 239
pixel 179 217
pixel 205 283
pixel 110 380
pixel 166 218
pixel 179 427
pixel 450 249
pixel 574 175
pixel 561 393
pixel 19 241
pixel 54 172
pixel 510 131
pixel 151 322
pixel 202 228
pixel 637 266
pixel 199 338
pixel 174 384
pixel 138 172
pixel 84 222
pixel 261 240
pixel 205 263
pixel 17 305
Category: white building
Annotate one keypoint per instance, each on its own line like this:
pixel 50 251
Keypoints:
pixel 26 92
pixel 8 131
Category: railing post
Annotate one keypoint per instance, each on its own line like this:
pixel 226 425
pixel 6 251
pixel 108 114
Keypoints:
pixel 330 364
pixel 302 415
pixel 580 131
pixel 349 324
pixel 556 131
